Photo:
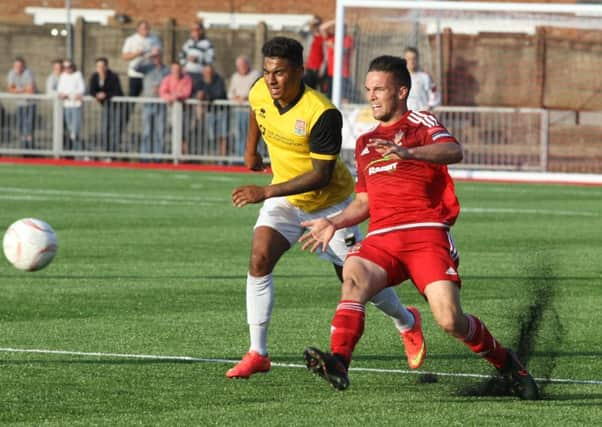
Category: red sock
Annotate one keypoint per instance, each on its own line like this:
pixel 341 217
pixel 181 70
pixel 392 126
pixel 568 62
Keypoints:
pixel 481 342
pixel 347 328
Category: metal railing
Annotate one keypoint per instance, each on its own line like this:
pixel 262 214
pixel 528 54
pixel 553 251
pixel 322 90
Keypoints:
pixel 499 138
pixel 149 129
pixel 124 128
pixel 492 138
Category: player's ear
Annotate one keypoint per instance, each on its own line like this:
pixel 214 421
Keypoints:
pixel 403 93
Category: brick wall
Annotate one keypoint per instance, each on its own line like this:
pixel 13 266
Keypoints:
pixel 183 11
pixel 35 44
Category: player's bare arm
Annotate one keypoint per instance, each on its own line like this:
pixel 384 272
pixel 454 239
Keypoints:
pixel 321 230
pixel 315 179
pixel 253 159
pixel 445 153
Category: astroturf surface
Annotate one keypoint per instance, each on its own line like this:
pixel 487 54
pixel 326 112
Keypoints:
pixel 154 263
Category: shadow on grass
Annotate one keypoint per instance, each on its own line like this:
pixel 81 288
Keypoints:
pixel 467 277
pixel 471 358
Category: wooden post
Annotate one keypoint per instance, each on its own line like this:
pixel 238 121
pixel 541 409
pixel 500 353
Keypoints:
pixel 169 38
pixel 540 66
pixel 261 36
pixel 79 34
pixel 446 61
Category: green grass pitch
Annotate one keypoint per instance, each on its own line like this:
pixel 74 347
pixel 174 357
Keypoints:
pixel 154 263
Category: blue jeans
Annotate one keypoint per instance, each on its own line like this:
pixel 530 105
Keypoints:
pixel 241 127
pixel 153 133
pixel 111 125
pixel 73 120
pixel 25 123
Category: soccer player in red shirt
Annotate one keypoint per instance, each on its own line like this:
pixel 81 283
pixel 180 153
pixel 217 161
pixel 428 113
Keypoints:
pixel 403 186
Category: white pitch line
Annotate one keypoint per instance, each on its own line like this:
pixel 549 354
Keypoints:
pixel 108 195
pixel 41 194
pixel 280 365
pixel 529 211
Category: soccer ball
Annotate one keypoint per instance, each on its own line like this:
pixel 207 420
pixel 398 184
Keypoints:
pixel 30 244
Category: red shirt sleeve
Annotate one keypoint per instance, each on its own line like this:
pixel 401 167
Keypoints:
pixel 360 184
pixel 434 132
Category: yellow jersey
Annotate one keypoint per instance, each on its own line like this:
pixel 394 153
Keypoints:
pixel 308 128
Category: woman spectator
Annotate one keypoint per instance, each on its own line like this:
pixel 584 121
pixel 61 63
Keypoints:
pixel 70 89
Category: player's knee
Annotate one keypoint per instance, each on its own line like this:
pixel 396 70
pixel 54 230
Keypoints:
pixel 449 321
pixel 351 289
pixel 260 264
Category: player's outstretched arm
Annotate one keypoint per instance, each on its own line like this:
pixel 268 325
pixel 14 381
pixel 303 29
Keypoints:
pixel 318 177
pixel 321 230
pixel 443 154
pixel 315 179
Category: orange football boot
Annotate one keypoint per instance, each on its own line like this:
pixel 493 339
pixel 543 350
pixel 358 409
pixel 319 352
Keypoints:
pixel 413 340
pixel 252 362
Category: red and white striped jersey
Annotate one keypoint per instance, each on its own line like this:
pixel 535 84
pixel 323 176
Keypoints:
pixel 406 193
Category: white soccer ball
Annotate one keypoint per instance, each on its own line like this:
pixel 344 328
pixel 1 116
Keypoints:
pixel 30 244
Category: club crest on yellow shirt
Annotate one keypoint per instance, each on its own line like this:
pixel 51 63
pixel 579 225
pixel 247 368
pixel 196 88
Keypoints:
pixel 299 127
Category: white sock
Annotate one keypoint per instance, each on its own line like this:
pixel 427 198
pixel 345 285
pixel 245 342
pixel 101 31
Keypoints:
pixel 260 299
pixel 259 338
pixel 388 302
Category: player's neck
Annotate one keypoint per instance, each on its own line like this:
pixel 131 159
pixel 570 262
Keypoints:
pixel 288 99
pixel 397 116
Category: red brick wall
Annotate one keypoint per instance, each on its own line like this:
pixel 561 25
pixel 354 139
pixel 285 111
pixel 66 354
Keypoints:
pixel 184 11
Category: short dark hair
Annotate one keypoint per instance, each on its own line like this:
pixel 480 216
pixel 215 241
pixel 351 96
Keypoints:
pixel 394 65
pixel 20 59
pixel 286 48
pixel 102 59
pixel 411 49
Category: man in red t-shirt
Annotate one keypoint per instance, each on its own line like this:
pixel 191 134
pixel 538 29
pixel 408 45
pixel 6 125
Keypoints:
pixel 315 64
pixel 404 188
pixel 327 30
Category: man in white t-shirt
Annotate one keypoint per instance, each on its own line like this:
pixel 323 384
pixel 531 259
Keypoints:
pixel 136 48
pixel 71 88
pixel 423 94
pixel 238 92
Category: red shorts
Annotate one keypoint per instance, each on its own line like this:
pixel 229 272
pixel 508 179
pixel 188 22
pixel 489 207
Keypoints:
pixel 425 255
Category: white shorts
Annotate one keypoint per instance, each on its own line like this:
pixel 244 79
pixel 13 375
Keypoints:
pixel 278 213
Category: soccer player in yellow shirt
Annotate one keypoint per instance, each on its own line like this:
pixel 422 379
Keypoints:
pixel 302 130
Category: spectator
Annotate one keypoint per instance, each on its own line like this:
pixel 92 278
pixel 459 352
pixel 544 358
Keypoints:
pixel 315 64
pixel 177 87
pixel 21 81
pixel 423 94
pixel 211 88
pixel 104 85
pixel 52 80
pixel 197 52
pixel 153 113
pixel 71 88
pixel 238 92
pixel 328 29
pixel 137 47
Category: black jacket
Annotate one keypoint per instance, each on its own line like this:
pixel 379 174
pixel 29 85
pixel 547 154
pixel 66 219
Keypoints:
pixel 111 86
